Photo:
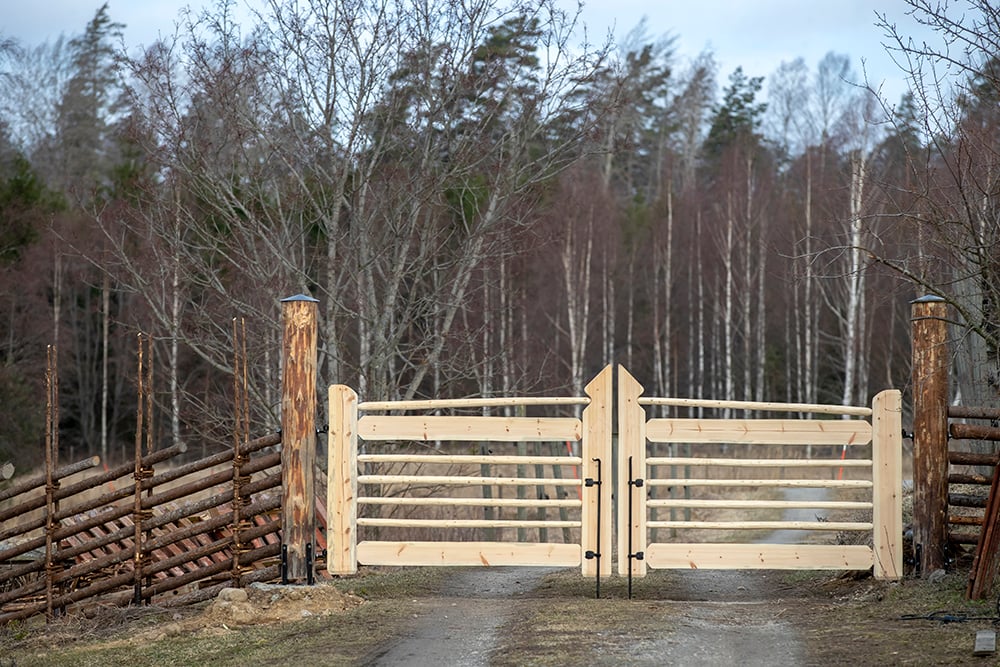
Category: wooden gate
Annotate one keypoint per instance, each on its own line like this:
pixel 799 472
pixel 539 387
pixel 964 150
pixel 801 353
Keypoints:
pixel 381 489
pixel 662 461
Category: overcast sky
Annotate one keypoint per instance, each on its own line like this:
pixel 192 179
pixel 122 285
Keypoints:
pixel 755 34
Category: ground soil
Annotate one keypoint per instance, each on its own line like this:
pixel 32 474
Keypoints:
pixel 520 616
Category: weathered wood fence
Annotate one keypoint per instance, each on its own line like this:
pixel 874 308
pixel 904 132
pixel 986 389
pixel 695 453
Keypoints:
pixel 144 539
pixel 944 437
pixel 175 535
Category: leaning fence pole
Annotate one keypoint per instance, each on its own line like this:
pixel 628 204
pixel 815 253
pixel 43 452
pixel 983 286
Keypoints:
pixel 930 432
pixel 298 438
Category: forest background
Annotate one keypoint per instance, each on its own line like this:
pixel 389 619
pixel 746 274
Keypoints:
pixel 483 203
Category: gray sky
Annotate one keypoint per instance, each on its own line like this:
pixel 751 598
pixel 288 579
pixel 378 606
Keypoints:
pixel 755 34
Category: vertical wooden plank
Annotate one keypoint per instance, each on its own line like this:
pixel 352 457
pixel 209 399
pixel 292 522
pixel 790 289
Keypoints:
pixel 631 444
pixel 298 436
pixel 342 482
pixel 597 445
pixel 887 478
pixel 930 431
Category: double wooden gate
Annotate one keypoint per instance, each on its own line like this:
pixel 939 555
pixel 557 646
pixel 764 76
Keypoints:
pixel 409 485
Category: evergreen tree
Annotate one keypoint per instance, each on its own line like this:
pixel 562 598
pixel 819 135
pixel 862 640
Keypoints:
pixel 85 113
pixel 738 118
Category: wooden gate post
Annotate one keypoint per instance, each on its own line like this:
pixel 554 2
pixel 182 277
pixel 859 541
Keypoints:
pixel 631 469
pixel 342 482
pixel 597 466
pixel 930 431
pixel 298 438
pixel 887 476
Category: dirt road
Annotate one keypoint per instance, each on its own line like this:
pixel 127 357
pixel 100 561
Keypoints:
pixel 717 618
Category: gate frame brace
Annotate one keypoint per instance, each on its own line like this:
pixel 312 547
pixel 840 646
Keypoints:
pixel 633 483
pixel 591 482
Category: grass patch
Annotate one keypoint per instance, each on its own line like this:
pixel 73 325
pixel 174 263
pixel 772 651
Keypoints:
pixel 156 636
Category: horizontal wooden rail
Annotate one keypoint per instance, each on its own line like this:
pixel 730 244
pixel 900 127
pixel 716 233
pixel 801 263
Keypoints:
pixel 467 481
pixel 759 463
pixel 966 500
pixel 499 429
pixel 761 556
pixel 467 523
pixel 973 432
pixel 973 458
pixel 973 412
pixel 469 458
pixel 469 554
pixel 818 483
pixel 762 525
pixel 760 431
pixel 760 504
pixel 757 405
pixel 454 403
pixel 68 490
pixel 38 481
pixel 969 478
pixel 966 520
pixel 469 502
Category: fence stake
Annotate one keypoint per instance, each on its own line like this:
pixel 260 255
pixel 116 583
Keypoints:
pixel 930 429
pixel 298 434
pixel 51 483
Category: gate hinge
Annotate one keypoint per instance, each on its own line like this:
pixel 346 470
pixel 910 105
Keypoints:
pixel 590 481
pixel 638 555
pixel 590 555
pixel 636 482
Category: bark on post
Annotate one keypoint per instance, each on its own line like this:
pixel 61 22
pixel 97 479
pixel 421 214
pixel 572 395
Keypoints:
pixel 298 438
pixel 930 432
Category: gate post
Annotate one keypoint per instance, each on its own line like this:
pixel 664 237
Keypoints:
pixel 631 464
pixel 342 482
pixel 298 438
pixel 597 446
pixel 930 431
pixel 887 478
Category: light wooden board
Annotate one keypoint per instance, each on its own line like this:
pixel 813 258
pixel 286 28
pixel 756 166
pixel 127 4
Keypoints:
pixel 471 459
pixel 467 523
pixel 760 431
pixel 805 408
pixel 454 403
pixel 631 446
pixel 758 463
pixel 497 429
pixel 598 465
pixel 775 483
pixel 762 525
pixel 759 556
pixel 469 554
pixel 760 504
pixel 427 480
pixel 342 485
pixel 471 502
pixel 887 474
